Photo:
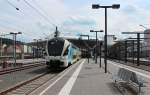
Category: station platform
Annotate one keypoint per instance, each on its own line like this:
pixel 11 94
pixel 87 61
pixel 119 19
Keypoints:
pixel 20 62
pixel 26 61
pixel 93 81
pixel 85 78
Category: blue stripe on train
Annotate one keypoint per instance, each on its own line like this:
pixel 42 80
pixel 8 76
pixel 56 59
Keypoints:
pixel 70 54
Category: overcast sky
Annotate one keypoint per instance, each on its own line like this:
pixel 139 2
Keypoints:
pixel 38 18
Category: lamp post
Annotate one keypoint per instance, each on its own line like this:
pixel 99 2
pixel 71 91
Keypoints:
pixel 133 51
pixel 118 49
pixel 119 52
pixel 97 6
pixel 96 42
pixel 88 41
pixel 40 48
pixel 37 46
pixel 100 54
pixel 133 43
pixel 126 51
pixel 80 43
pixel 1 46
pixel 14 36
pixel 14 47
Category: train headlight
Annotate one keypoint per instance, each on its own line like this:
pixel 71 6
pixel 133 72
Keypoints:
pixel 63 58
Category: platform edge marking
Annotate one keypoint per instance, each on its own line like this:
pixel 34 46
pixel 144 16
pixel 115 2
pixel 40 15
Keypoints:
pixel 56 81
pixel 68 86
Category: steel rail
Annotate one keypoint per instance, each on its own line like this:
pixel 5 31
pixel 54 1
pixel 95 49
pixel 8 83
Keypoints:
pixel 6 71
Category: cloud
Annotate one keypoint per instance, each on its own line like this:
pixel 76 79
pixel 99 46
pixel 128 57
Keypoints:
pixel 79 20
pixel 130 9
pixel 72 18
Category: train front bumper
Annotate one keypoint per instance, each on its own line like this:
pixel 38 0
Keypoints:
pixel 57 61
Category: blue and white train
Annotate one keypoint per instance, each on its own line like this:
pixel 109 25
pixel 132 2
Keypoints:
pixel 61 53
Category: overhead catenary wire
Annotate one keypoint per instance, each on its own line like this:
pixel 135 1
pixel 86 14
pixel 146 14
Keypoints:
pixel 10 28
pixel 45 17
pixel 12 4
pixel 57 23
pixel 5 28
pixel 15 28
pixel 52 18
pixel 39 13
pixel 39 7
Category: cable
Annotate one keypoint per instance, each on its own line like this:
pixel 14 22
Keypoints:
pixel 16 27
pixel 39 12
pixel 47 14
pixel 6 27
pixel 12 5
pixel 44 11
pixel 19 10
pixel 36 11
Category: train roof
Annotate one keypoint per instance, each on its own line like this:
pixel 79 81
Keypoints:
pixel 62 39
pixel 59 38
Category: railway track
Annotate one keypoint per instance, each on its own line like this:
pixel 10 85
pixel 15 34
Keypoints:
pixel 26 87
pixel 146 63
pixel 142 62
pixel 6 71
pixel 144 66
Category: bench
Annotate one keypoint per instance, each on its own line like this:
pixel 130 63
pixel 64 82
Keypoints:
pixel 135 80
pixel 125 77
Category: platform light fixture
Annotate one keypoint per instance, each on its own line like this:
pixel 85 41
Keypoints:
pixel 97 6
pixel 88 41
pixel 96 42
pixel 14 48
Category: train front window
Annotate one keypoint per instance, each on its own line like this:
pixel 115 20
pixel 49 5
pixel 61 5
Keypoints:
pixel 55 47
pixel 66 51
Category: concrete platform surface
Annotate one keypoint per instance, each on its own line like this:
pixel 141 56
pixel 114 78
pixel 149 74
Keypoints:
pixel 93 81
pixel 82 78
